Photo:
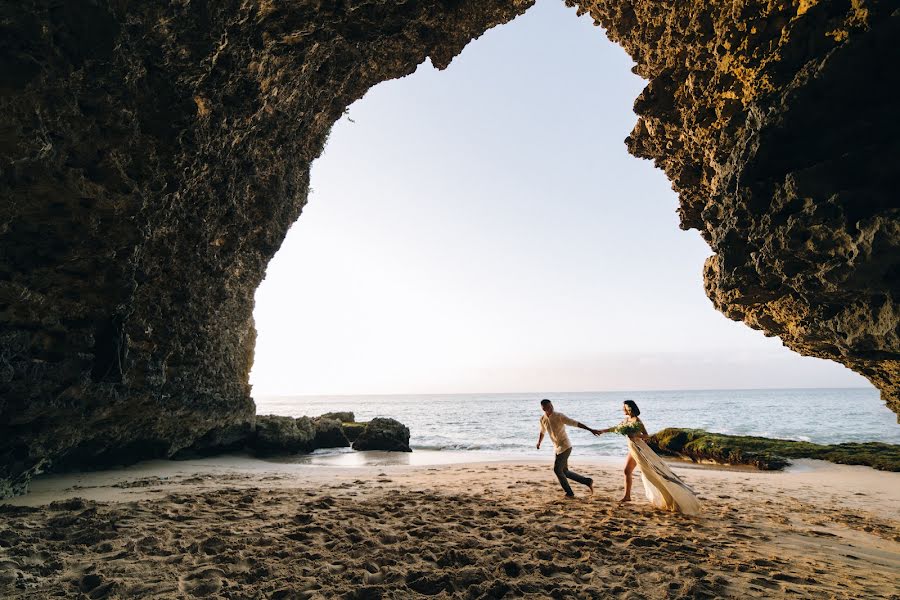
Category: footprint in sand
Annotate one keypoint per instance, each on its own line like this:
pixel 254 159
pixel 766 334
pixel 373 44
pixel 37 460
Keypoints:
pixel 203 582
pixel 373 578
pixel 336 568
pixel 213 545
pixel 95 586
pixel 512 568
pixel 292 594
pixel 766 583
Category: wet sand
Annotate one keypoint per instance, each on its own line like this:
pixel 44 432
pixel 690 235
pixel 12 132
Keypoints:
pixel 235 527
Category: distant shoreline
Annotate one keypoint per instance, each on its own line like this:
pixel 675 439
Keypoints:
pixel 547 394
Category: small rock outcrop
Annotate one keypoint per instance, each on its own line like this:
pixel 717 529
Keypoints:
pixel 383 434
pixel 329 433
pixel 343 416
pixel 273 435
pixel 769 454
pixel 283 435
pixel 231 438
pixel 353 430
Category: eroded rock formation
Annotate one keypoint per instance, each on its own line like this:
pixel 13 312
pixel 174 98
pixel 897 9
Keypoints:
pixel 383 434
pixel 153 155
pixel 775 122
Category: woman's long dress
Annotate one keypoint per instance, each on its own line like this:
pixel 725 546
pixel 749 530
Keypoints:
pixel 663 488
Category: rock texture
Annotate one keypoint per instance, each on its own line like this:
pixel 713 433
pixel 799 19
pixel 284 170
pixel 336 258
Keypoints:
pixel 154 154
pixel 274 435
pixel 353 430
pixel 283 435
pixel 769 454
pixel 383 434
pixel 776 123
pixel 152 158
pixel 330 434
pixel 343 417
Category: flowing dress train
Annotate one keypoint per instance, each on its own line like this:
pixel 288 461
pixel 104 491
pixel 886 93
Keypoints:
pixel 663 488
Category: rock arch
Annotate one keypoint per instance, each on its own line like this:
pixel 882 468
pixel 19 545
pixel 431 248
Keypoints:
pixel 153 156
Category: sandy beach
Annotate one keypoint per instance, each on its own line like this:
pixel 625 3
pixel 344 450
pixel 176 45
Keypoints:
pixel 236 527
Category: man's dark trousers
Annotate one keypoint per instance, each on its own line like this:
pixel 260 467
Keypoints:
pixel 561 468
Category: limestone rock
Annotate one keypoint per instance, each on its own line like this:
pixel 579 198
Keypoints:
pixel 384 434
pixel 767 453
pixel 220 440
pixel 152 158
pixel 776 123
pixel 353 430
pixel 329 434
pixel 343 417
pixel 283 435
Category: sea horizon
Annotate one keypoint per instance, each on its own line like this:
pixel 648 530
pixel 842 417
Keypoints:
pixel 538 393
pixel 507 422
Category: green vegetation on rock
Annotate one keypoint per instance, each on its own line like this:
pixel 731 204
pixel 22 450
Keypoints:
pixel 353 429
pixel 769 454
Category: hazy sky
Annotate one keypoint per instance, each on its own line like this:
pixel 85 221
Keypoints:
pixel 483 228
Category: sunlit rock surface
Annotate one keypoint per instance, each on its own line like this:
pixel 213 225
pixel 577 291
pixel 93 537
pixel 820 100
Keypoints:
pixel 383 434
pixel 776 123
pixel 153 156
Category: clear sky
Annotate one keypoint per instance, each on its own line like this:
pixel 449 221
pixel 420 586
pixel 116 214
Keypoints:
pixel 484 229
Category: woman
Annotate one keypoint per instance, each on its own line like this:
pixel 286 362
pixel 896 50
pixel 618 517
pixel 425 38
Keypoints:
pixel 663 488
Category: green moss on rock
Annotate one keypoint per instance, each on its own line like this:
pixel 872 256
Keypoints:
pixel 769 454
pixel 353 430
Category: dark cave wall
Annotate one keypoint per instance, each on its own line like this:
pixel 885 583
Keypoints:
pixel 153 156
pixel 776 123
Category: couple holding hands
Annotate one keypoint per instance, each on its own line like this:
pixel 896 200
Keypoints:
pixel 663 488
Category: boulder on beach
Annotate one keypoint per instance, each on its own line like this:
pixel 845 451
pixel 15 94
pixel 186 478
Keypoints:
pixel 769 454
pixel 353 430
pixel 220 440
pixel 342 416
pixel 283 435
pixel 384 434
pixel 329 433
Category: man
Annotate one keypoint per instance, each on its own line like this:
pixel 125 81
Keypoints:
pixel 554 423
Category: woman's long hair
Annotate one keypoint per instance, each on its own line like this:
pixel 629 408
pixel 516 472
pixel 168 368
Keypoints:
pixel 635 411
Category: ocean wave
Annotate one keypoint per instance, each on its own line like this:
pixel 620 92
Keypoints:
pixel 508 423
pixel 466 446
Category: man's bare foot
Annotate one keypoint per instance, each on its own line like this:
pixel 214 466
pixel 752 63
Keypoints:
pixel 625 499
pixel 569 497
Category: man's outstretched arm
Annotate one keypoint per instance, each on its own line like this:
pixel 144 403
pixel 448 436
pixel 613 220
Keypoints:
pixel 583 426
pixel 540 439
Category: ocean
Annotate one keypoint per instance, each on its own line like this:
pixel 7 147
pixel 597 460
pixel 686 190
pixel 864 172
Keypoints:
pixel 485 426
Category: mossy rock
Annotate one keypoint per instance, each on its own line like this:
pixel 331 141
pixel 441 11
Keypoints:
pixel 345 416
pixel 283 435
pixel 384 434
pixel 769 454
pixel 329 434
pixel 353 430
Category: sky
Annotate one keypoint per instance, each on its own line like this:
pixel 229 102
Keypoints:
pixel 484 229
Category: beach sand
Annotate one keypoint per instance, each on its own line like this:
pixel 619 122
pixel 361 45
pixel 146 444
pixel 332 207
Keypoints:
pixel 235 527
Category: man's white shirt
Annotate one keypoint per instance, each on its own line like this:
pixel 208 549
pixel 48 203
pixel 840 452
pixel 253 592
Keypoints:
pixel 555 425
